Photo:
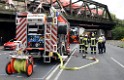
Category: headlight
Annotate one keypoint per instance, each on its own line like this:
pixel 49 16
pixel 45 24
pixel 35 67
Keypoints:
pixel 4 44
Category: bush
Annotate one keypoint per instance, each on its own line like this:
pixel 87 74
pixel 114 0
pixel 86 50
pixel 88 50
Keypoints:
pixel 118 33
pixel 122 39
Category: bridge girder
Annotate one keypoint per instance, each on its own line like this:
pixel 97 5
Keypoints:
pixel 87 14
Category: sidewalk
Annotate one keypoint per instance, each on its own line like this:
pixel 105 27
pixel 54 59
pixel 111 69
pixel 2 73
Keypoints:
pixel 1 47
pixel 116 43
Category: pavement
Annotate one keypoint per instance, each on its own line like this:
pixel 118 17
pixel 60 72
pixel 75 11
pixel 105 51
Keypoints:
pixel 117 43
pixel 1 47
pixel 110 66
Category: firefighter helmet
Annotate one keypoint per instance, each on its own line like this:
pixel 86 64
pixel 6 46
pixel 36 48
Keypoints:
pixel 86 35
pixel 102 34
pixel 93 34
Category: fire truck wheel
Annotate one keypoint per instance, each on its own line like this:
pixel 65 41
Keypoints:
pixel 8 68
pixel 29 69
pixel 62 30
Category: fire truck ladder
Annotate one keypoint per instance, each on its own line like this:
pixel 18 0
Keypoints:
pixel 46 57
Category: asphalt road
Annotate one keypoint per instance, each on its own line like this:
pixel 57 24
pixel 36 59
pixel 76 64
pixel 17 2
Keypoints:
pixel 110 67
pixel 41 70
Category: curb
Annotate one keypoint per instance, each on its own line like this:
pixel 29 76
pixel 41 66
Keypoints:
pixel 1 47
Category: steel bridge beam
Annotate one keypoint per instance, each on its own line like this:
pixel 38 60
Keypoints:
pixel 71 14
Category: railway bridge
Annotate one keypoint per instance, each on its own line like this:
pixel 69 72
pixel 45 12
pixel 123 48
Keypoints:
pixel 91 15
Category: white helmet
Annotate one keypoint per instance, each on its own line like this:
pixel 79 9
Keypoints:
pixel 86 35
pixel 102 34
pixel 93 34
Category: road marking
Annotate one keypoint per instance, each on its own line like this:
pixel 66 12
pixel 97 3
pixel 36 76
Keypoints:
pixel 34 66
pixel 51 74
pixel 38 78
pixel 56 78
pixel 117 62
pixel 19 76
pixel 50 70
pixel 47 73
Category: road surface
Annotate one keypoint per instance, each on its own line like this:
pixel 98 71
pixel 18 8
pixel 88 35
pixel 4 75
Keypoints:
pixel 110 67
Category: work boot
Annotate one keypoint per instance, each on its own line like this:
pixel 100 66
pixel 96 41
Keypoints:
pixel 83 51
pixel 86 52
pixel 84 56
pixel 79 51
pixel 91 52
pixel 94 52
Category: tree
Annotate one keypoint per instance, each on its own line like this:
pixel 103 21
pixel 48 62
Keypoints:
pixel 118 32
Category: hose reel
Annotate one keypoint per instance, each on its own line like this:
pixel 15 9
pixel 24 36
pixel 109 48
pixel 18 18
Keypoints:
pixel 20 65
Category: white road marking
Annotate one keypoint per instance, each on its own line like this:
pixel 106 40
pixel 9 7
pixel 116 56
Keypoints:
pixel 56 78
pixel 38 78
pixel 49 71
pixel 34 66
pixel 46 74
pixel 19 76
pixel 51 74
pixel 117 62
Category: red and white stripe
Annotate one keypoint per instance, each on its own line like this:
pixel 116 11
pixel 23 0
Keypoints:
pixel 51 37
pixel 54 38
pixel 47 38
pixel 21 30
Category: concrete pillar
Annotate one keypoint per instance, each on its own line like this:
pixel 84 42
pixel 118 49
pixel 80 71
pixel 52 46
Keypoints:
pixel 81 30
pixel 100 31
pixel 108 34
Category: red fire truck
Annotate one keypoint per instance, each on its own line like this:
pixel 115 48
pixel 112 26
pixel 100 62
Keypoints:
pixel 43 35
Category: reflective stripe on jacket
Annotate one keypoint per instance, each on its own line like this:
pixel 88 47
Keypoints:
pixel 81 41
pixel 93 41
pixel 85 40
pixel 100 39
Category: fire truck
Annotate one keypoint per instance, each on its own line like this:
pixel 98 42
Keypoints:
pixel 74 35
pixel 43 35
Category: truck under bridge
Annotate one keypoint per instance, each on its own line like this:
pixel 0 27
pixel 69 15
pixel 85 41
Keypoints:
pixel 83 13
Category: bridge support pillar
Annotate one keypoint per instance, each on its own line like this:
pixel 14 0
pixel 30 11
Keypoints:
pixel 100 31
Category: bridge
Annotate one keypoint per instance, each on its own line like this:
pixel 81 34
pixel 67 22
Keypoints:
pixel 83 13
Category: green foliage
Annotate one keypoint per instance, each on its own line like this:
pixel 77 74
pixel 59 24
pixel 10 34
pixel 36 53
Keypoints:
pixel 122 45
pixel 118 32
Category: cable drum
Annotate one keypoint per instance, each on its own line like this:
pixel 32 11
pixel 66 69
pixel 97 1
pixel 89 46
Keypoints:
pixel 20 65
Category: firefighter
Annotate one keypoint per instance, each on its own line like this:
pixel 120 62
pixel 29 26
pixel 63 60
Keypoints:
pixel 86 43
pixel 104 41
pixel 81 44
pixel 100 45
pixel 93 42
